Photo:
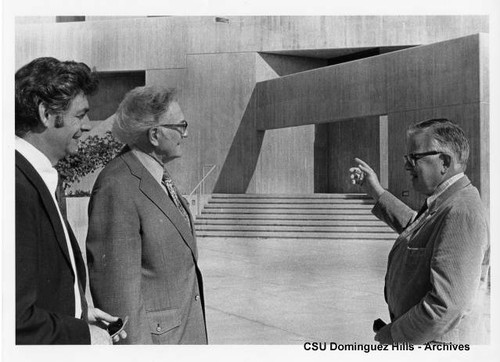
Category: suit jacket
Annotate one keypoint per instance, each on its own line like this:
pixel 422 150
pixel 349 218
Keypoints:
pixel 142 257
pixel 45 298
pixel 437 269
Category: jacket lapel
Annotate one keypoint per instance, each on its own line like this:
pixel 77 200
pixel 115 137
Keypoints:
pixel 154 192
pixel 47 201
pixel 457 185
pixel 433 208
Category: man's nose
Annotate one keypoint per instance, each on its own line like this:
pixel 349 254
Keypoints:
pixel 408 166
pixel 85 126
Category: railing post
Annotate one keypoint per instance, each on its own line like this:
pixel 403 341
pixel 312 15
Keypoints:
pixel 198 200
pixel 200 187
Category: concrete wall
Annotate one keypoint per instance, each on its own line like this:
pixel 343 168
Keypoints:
pixel 120 45
pixel 286 159
pixel 221 110
pixel 432 75
pixel 128 43
pixel 448 81
pixel 286 162
pixel 444 79
pixel 219 87
pixel 349 90
pixel 216 67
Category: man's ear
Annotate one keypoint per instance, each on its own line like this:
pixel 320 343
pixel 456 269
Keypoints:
pixel 153 136
pixel 447 160
pixel 44 114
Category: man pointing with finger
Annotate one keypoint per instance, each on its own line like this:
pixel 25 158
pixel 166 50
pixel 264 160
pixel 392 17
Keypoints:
pixel 438 267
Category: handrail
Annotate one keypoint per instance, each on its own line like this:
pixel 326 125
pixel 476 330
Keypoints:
pixel 203 179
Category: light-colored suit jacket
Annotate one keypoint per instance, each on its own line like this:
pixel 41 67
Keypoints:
pixel 437 269
pixel 142 257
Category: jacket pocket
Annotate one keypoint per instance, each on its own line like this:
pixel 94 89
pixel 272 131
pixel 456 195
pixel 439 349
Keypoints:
pixel 416 257
pixel 162 321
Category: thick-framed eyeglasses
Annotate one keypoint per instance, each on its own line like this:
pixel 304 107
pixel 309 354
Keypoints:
pixel 179 127
pixel 412 158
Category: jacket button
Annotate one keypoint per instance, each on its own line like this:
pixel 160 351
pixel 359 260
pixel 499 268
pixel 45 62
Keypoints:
pixel 197 298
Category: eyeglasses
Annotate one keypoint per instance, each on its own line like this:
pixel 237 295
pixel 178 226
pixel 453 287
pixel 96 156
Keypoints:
pixel 179 127
pixel 412 158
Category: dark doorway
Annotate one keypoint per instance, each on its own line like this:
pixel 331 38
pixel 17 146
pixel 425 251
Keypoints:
pixel 112 88
pixel 335 147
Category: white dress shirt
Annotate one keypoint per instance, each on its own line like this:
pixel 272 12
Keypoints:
pixel 443 187
pixel 151 164
pixel 42 165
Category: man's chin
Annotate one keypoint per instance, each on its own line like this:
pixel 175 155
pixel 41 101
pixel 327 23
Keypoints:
pixel 72 151
pixel 176 156
pixel 416 185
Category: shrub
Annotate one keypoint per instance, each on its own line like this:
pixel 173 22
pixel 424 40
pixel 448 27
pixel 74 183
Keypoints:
pixel 93 153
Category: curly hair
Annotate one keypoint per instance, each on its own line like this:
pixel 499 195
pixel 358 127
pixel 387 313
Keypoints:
pixel 50 82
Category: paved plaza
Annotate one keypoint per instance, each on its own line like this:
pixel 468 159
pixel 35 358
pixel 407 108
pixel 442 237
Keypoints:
pixel 288 291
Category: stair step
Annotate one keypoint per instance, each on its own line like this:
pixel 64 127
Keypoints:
pixel 266 216
pixel 291 235
pixel 286 222
pixel 212 205
pixel 292 196
pixel 285 201
pixel 285 211
pixel 317 216
pixel 300 229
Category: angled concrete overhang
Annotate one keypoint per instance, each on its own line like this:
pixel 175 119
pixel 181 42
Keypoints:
pixel 442 74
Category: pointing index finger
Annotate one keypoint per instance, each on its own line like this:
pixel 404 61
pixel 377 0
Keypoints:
pixel 363 165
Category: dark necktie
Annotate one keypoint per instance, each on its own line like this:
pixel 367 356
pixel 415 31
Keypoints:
pixel 83 300
pixel 60 196
pixel 172 191
pixel 422 210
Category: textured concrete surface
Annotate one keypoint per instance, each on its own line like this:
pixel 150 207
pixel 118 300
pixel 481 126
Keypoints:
pixel 288 291
pixel 291 291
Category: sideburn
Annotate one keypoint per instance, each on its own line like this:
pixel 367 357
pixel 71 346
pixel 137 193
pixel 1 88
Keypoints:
pixel 58 122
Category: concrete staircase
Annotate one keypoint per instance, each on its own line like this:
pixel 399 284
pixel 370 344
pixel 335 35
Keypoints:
pixel 314 216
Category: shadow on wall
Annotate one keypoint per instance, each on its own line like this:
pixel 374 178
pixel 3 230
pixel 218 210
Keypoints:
pixel 241 161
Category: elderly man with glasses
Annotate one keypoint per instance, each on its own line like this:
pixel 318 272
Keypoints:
pixel 141 246
pixel 437 271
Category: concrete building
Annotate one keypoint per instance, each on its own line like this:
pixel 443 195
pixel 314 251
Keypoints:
pixel 282 104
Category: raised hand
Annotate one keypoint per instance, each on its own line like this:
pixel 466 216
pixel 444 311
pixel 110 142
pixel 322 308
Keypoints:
pixel 364 176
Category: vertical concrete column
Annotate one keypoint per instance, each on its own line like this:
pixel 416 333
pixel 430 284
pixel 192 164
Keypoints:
pixel 384 150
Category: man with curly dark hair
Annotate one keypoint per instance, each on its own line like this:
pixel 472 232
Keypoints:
pixel 51 109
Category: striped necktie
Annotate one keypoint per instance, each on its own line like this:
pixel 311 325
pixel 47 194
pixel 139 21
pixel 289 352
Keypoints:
pixel 172 191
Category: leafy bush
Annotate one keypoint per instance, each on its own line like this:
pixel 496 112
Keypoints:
pixel 78 193
pixel 93 153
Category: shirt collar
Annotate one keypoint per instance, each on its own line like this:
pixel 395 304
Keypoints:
pixel 40 163
pixel 150 163
pixel 443 187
